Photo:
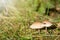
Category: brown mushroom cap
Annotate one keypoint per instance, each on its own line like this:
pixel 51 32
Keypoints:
pixel 47 23
pixel 37 25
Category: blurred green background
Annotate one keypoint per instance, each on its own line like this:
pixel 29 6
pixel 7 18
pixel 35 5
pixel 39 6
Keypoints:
pixel 15 25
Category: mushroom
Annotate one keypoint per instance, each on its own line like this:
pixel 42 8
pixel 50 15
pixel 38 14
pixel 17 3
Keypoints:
pixel 47 24
pixel 37 25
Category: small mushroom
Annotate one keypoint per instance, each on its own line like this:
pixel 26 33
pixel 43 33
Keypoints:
pixel 37 25
pixel 47 24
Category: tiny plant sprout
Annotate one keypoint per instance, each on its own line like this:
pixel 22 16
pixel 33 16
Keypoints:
pixel 37 25
pixel 58 25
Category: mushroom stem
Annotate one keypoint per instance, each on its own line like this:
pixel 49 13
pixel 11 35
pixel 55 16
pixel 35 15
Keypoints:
pixel 39 31
pixel 47 30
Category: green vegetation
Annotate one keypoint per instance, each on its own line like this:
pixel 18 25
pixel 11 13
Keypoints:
pixel 15 26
